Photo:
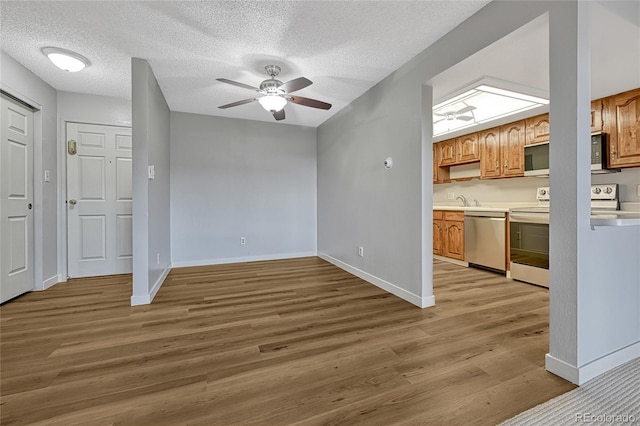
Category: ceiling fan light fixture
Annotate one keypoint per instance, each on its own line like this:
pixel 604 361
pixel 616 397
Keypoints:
pixel 272 103
pixel 65 59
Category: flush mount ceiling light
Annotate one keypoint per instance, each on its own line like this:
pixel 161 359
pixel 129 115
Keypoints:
pixel 483 101
pixel 65 59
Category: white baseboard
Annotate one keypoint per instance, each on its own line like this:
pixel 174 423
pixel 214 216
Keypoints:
pixel 450 260
pixel 581 375
pixel 148 298
pixel 50 282
pixel 422 302
pixel 207 262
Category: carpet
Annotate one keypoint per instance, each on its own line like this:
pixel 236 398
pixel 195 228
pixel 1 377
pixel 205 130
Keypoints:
pixel 612 398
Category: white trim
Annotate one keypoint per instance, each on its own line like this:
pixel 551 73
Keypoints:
pixel 206 262
pixel 148 298
pixel 450 260
pixel 422 302
pixel 581 375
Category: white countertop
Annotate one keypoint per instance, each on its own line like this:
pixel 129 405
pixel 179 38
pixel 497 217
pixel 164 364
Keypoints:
pixel 472 209
pixel 619 218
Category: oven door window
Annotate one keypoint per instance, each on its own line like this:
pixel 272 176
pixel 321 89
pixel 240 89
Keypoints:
pixel 530 244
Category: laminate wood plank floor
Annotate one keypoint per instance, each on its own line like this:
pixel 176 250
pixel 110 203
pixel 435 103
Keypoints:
pixel 275 343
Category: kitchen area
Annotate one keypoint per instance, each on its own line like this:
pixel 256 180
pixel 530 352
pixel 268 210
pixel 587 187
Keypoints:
pixel 491 187
pixel 501 223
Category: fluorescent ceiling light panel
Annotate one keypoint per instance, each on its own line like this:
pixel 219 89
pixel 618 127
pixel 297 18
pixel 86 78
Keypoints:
pixel 65 59
pixel 481 104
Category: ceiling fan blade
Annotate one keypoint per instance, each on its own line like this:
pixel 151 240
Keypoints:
pixel 313 103
pixel 236 83
pixel 465 109
pixel 464 117
pixel 233 104
pixel 439 114
pixel 442 119
pixel 295 84
pixel 279 115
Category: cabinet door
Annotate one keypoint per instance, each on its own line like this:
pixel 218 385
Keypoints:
pixel 537 129
pixel 489 141
pixel 512 137
pixel 437 237
pixel 454 239
pixel 467 149
pixel 447 152
pixel 596 116
pixel 622 125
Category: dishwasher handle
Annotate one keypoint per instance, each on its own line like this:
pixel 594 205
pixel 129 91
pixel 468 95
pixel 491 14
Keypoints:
pixel 485 214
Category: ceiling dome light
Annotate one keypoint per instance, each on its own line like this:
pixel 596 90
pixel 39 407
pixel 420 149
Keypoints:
pixel 272 102
pixel 66 59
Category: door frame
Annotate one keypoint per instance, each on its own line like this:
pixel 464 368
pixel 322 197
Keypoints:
pixel 38 188
pixel 63 244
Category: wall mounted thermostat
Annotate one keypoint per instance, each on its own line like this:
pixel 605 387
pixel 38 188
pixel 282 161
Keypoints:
pixel 388 163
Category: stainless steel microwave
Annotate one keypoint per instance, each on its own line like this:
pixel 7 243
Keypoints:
pixel 536 157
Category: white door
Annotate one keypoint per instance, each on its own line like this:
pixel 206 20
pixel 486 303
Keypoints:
pixel 99 198
pixel 16 200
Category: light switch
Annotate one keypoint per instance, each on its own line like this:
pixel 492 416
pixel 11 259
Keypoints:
pixel 152 172
pixel 47 176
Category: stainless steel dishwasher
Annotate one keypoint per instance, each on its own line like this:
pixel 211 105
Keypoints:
pixel 485 239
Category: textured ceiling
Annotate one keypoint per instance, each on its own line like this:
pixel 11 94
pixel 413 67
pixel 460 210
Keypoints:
pixel 344 47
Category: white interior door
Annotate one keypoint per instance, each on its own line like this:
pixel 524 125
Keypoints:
pixel 16 200
pixel 99 199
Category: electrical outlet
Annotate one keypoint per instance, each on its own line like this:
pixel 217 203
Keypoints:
pixel 243 240
pixel 360 251
pixel 451 195
pixel 157 258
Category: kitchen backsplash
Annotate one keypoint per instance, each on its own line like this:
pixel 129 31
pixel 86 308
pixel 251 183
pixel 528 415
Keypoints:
pixel 524 189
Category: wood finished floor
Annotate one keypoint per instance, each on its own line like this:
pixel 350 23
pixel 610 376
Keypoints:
pixel 296 342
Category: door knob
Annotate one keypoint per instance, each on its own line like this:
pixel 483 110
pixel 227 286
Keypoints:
pixel 72 202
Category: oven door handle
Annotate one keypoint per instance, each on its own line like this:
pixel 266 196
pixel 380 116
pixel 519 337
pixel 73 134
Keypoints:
pixel 541 218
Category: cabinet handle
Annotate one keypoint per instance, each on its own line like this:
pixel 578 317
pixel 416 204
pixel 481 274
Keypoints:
pixel 613 154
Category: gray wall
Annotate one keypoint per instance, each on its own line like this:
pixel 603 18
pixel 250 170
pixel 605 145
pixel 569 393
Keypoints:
pixel 237 178
pixel 359 203
pixel 95 109
pixel 19 81
pixel 151 200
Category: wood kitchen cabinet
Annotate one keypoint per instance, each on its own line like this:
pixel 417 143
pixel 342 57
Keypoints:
pixel 512 138
pixel 596 116
pixel 537 129
pixel 453 235
pixel 440 174
pixel 622 125
pixel 489 142
pixel 467 149
pixel 438 228
pixel 447 152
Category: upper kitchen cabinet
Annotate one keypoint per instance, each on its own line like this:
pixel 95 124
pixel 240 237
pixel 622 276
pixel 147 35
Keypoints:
pixel 512 140
pixel 537 129
pixel 622 125
pixel 440 174
pixel 467 149
pixel 596 116
pixel 447 152
pixel 489 141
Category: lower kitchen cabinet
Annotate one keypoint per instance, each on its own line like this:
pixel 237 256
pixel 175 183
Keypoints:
pixel 438 228
pixel 453 235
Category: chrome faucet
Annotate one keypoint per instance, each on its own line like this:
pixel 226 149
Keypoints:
pixel 463 199
pixel 477 203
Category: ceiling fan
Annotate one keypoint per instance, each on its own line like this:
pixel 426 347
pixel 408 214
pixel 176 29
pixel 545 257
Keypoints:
pixel 455 115
pixel 275 94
